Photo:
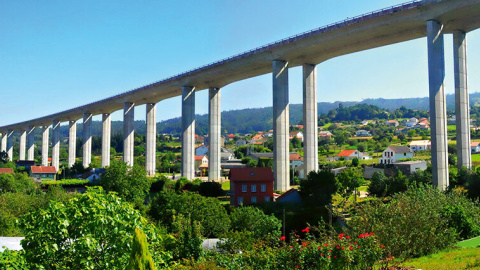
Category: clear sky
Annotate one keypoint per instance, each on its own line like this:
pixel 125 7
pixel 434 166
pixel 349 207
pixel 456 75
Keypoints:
pixel 56 55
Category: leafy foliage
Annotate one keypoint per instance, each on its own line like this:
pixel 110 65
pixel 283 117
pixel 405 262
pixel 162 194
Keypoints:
pixel 318 187
pixel 93 230
pixel 251 219
pixel 13 260
pixel 140 259
pixel 66 182
pixel 130 183
pixel 19 182
pixel 209 212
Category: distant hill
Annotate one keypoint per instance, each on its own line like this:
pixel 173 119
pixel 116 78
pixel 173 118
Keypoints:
pixel 258 119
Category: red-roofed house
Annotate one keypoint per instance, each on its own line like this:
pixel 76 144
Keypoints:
pixel 297 134
pixel 475 147
pixel 230 137
pixel 251 185
pixel 40 173
pixel 349 154
pixel 6 170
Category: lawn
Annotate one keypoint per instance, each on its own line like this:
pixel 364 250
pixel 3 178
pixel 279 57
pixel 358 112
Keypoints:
pixel 476 157
pixel 460 258
pixel 226 185
pixel 470 243
pixel 451 128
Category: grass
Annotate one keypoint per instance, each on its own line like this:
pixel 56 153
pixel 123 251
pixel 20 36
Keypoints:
pixel 226 185
pixel 451 128
pixel 470 243
pixel 461 258
pixel 476 157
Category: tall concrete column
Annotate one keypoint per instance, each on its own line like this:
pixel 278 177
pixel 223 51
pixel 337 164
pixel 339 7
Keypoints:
pixel 10 145
pixel 87 140
pixel 281 143
pixel 30 143
pixel 462 104
pixel 188 132
pixel 151 139
pixel 214 132
pixel 56 145
pixel 4 143
pixel 438 111
pixel 23 144
pixel 45 145
pixel 72 142
pixel 106 139
pixel 128 132
pixel 310 123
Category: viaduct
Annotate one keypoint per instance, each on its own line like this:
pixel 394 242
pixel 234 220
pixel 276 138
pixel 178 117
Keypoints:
pixel 412 20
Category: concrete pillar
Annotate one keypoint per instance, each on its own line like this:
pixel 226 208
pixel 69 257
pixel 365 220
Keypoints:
pixel 106 139
pixel 56 145
pixel 438 111
pixel 281 143
pixel 128 132
pixel 4 143
pixel 72 142
pixel 462 104
pixel 188 132
pixel 214 131
pixel 45 145
pixel 87 139
pixel 23 144
pixel 310 123
pixel 151 139
pixel 10 145
pixel 30 143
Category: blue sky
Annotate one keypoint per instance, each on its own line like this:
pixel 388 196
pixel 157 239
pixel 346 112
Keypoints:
pixel 55 55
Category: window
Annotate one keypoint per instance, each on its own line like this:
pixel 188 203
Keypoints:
pixel 263 188
pixel 240 200
pixel 267 198
pixel 253 188
pixel 404 154
pixel 253 199
pixel 244 188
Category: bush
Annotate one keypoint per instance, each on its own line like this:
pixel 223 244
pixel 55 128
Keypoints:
pixel 211 189
pixel 140 257
pixel 209 212
pixel 13 260
pixel 130 183
pixel 418 222
pixel 93 230
pixel 19 182
pixel 262 227
pixel 66 182
pixel 188 240
pixel 318 187
pixel 378 185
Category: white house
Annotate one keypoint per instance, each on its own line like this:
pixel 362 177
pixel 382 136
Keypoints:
pixel 394 153
pixel 202 150
pixel 349 154
pixel 420 145
pixel 411 122
pixel 363 133
pixel 297 134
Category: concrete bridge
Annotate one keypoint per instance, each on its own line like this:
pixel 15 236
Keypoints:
pixel 412 20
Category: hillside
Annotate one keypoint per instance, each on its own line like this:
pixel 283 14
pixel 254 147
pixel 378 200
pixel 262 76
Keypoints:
pixel 257 119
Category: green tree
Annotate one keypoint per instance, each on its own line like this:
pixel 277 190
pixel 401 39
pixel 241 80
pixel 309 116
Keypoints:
pixel 318 187
pixel 263 227
pixel 93 230
pixel 349 180
pixel 140 258
pixel 130 183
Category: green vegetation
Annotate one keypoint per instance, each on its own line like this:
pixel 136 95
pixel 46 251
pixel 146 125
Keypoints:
pixel 470 243
pixel 466 258
pixel 66 182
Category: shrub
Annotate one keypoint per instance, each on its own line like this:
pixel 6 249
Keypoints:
pixel 66 182
pixel 318 187
pixel 188 240
pixel 130 183
pixel 209 212
pixel 262 227
pixel 93 230
pixel 19 182
pixel 140 259
pixel 378 185
pixel 13 260
pixel 211 189
pixel 420 221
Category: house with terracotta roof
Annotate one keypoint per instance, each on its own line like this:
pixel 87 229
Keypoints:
pixel 297 134
pixel 258 137
pixel 393 123
pixel 395 153
pixel 251 185
pixel 40 173
pixel 324 135
pixel 230 137
pixel 6 170
pixel 349 154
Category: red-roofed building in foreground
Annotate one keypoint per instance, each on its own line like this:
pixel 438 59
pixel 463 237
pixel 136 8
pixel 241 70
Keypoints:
pixel 251 185
pixel 40 173
pixel 349 154
pixel 6 170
